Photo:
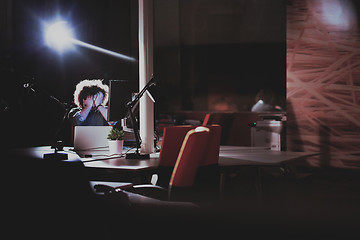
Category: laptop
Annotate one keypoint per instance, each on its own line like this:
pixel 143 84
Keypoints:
pixel 91 137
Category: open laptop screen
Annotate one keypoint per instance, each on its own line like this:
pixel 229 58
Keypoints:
pixel 91 137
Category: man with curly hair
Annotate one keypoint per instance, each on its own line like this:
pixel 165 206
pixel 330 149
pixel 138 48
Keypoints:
pixel 90 97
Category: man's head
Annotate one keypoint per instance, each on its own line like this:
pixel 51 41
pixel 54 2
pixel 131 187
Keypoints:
pixel 89 88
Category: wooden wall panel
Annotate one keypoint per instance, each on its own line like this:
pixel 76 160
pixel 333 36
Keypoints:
pixel 323 80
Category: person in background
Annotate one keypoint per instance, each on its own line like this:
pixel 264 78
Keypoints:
pixel 90 97
pixel 265 99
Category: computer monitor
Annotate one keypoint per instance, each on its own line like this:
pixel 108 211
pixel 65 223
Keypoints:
pixel 119 96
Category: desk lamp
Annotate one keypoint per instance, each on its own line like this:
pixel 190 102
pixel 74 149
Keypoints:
pixel 130 106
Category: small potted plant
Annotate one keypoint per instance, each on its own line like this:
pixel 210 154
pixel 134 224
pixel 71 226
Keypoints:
pixel 116 141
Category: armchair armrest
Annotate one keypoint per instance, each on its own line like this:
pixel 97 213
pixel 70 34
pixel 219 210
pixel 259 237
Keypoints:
pixel 149 190
pixel 102 187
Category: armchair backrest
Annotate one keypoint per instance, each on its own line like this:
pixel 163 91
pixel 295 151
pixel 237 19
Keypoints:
pixel 192 151
pixel 172 139
pixel 212 154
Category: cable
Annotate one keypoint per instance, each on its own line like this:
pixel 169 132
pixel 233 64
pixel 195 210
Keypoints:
pixel 88 149
pixel 108 156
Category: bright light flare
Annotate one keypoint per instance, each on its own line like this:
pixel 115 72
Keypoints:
pixel 339 14
pixel 59 36
pixel 103 50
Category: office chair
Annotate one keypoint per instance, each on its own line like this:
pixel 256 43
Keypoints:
pixel 172 139
pixel 180 186
pixel 192 152
pixel 208 176
pixel 206 119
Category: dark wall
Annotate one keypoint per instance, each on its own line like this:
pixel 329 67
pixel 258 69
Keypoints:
pixel 34 112
pixel 216 55
pixel 106 24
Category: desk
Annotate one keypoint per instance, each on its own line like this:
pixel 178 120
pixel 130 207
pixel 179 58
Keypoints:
pixel 231 158
pixel 102 165
pixel 38 152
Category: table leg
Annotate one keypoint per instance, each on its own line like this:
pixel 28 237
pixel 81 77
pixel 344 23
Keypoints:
pixel 221 186
pixel 258 185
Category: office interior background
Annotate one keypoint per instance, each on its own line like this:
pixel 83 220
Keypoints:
pixel 209 56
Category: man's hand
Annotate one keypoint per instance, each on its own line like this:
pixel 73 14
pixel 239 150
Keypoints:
pixel 98 99
pixel 88 102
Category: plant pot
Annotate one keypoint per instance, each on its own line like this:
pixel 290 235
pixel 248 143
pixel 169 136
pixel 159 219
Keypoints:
pixel 116 146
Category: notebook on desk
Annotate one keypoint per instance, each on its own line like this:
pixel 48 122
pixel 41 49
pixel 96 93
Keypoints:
pixel 91 137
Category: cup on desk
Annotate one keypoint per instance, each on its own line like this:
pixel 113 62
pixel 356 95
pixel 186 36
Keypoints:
pixel 116 146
